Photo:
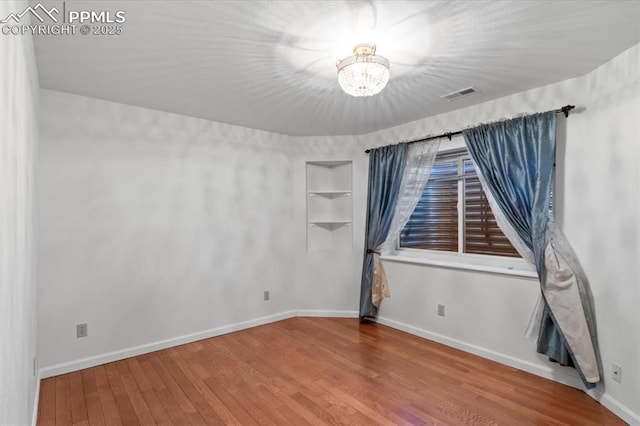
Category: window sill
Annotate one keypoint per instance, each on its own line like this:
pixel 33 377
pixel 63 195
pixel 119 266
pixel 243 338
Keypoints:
pixel 461 265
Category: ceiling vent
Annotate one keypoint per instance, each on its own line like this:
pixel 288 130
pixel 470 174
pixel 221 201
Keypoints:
pixel 458 94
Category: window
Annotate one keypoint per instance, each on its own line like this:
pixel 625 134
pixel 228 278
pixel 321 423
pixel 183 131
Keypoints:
pixel 453 214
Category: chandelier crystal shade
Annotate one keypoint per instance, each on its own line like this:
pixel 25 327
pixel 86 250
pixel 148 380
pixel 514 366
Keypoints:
pixel 364 73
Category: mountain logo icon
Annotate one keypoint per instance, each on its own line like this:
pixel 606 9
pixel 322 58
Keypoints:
pixel 38 11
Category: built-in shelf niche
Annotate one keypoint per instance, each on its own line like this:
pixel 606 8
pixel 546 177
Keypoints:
pixel 329 205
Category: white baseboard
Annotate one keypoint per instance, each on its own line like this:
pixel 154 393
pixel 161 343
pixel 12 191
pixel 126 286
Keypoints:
pixel 605 399
pixel 619 409
pixel 79 364
pixel 326 314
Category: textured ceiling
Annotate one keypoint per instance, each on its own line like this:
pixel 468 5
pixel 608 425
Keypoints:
pixel 270 65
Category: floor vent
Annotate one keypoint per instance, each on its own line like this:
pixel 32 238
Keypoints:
pixel 458 94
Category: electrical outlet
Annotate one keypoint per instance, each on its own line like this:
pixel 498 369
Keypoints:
pixel 81 330
pixel 266 295
pixel 440 310
pixel 616 373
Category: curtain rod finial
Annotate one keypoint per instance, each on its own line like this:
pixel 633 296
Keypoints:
pixel 565 109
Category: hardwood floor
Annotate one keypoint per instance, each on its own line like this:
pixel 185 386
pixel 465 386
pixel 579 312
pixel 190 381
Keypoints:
pixel 312 371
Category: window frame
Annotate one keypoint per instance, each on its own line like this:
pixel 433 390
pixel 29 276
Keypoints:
pixel 505 265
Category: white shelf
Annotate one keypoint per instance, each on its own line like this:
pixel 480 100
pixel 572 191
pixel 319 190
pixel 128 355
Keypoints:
pixel 329 163
pixel 329 194
pixel 329 205
pixel 329 236
pixel 329 223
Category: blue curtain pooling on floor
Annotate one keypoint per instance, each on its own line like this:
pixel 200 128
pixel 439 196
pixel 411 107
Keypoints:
pixel 386 168
pixel 516 159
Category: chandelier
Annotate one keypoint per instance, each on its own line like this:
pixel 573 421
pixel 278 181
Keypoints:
pixel 364 73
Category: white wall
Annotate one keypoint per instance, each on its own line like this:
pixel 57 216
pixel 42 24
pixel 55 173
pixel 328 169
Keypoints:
pixel 598 193
pixel 154 226
pixel 18 139
pixel 602 216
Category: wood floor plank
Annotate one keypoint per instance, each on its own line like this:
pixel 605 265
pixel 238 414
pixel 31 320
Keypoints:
pixel 92 398
pixel 177 395
pixel 171 407
pixel 77 398
pixel 47 409
pixel 123 402
pixel 63 403
pixel 213 400
pixel 313 371
pixel 150 373
pixel 138 374
pixel 246 396
pixel 107 401
pixel 146 384
pixel 232 406
pixel 138 402
pixel 208 405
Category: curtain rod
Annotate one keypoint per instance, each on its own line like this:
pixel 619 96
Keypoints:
pixel 565 110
